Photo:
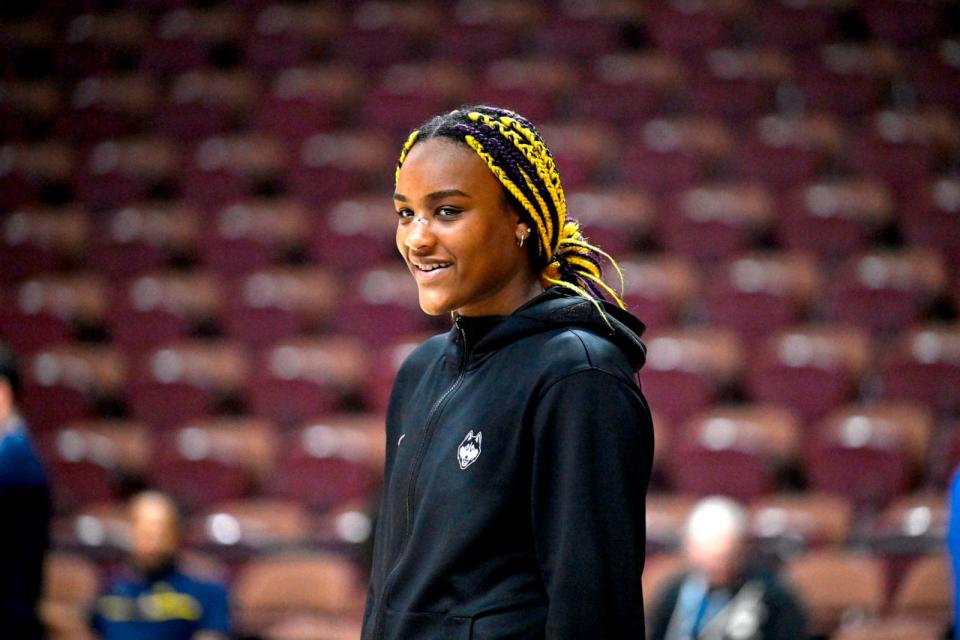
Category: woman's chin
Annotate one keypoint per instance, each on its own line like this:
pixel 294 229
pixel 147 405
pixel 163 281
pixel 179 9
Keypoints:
pixel 433 306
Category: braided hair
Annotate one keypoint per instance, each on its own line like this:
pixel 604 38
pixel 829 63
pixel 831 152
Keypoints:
pixel 513 150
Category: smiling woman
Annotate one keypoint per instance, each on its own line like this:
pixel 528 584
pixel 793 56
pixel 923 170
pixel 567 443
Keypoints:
pixel 519 443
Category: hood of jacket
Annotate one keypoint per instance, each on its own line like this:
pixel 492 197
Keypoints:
pixel 556 308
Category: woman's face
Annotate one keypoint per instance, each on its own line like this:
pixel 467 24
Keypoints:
pixel 457 234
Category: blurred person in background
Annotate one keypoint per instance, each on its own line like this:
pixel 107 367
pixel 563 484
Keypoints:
pixel 953 545
pixel 519 444
pixel 24 511
pixel 159 601
pixel 721 596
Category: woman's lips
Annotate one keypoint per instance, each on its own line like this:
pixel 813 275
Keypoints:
pixel 430 272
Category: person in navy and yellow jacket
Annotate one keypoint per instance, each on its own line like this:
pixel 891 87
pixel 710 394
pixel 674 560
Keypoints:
pixel 519 444
pixel 159 601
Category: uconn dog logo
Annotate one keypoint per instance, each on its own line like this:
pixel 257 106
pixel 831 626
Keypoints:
pixel 469 449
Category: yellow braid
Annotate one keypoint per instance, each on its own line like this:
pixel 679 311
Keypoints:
pixel 411 140
pixel 510 186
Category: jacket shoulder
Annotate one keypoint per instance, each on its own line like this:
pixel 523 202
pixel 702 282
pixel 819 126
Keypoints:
pixel 574 348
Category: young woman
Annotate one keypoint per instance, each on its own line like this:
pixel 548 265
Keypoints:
pixel 518 444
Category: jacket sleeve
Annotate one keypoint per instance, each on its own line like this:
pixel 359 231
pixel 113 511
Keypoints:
pixel 593 448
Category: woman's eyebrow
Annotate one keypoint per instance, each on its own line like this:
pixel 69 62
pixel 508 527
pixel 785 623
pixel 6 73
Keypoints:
pixel 436 195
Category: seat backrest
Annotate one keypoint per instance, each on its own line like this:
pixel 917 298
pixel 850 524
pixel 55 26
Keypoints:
pixel 925 590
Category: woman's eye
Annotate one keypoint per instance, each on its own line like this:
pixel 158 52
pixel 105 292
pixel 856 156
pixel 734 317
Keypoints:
pixel 447 212
pixel 405 213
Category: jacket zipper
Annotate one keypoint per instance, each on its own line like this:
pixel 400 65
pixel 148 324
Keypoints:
pixel 412 482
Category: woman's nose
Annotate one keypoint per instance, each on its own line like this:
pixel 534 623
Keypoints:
pixel 419 233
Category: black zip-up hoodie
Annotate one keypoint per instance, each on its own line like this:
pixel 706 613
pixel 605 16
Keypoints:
pixel 518 455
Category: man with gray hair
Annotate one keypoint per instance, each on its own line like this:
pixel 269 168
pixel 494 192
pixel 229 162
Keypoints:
pixel 720 596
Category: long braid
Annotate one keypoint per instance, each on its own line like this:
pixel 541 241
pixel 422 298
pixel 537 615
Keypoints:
pixel 515 153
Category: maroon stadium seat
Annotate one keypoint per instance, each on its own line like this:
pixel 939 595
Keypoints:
pixel 303 378
pixel 38 239
pixel 811 369
pixel 382 306
pixel 735 451
pixel 925 367
pixel 331 461
pixel 786 151
pixel 252 234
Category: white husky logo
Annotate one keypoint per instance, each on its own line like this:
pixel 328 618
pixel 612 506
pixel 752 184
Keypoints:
pixel 469 449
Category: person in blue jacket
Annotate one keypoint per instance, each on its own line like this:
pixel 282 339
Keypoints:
pixel 519 444
pixel 159 601
pixel 25 508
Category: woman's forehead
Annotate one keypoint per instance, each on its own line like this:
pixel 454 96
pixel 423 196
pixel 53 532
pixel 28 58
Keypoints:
pixel 440 164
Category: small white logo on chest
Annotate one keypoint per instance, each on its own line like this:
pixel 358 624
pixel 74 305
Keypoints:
pixel 469 449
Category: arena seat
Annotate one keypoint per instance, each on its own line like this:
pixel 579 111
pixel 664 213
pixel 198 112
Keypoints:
pixel 687 369
pixel 28 169
pixel 144 237
pixel 686 28
pixel 912 523
pixel 281 303
pixel 49 307
pixel 122 171
pixel 796 26
pixel 890 628
pixel 886 291
pixel 532 85
pixel 666 516
pixel 493 30
pixel 252 526
pixel 809 368
pixel 925 590
pixel 933 73
pixel 580 36
pixel 358 231
pixel 68 381
pixel 98 530
pixel 208 461
pixel 302 378
pixel 786 151
pixel 375 35
pixel 255 233
pixel 801 521
pixel 307 99
pixel 205 102
pixel 185 380
pixel 163 306
pixel 331 461
pixel 71 584
pixel 888 21
pixel 615 219
pixel 903 148
pixel 337 164
pixel 97 41
pixel 713 221
pixel 733 450
pixel 659 289
pixel 381 306
pixel 925 367
pixel 106 105
pixel 835 584
pixel 847 78
pixel 669 154
pixel 736 83
pixel 184 38
pixel 930 219
pixel 231 167
pixel 89 460
pixel 624 88
pixel 583 151
pixel 270 588
pixel 886 443
pixel 27 106
pixel 289 34
pixel 834 218
pixel 756 294
pixel 40 239
pixel 402 93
